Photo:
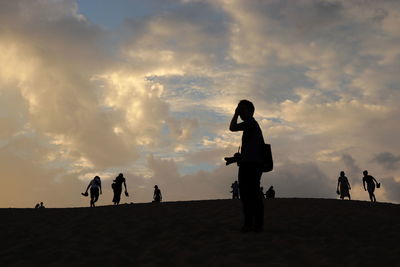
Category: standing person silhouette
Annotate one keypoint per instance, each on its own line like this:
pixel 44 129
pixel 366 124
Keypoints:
pixel 95 190
pixel 270 192
pixel 370 181
pixel 117 188
pixel 250 170
pixel 235 190
pixel 344 185
pixel 157 197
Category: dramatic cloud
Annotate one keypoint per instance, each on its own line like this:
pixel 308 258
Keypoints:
pixel 388 160
pixel 152 97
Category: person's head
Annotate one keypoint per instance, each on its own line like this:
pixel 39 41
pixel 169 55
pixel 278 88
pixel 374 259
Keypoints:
pixel 246 109
pixel 156 186
pixel 342 173
pixel 121 175
pixel 365 173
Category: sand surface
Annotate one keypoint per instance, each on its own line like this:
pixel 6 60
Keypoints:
pixel 315 232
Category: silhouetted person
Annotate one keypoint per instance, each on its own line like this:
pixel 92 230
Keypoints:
pixel 41 206
pixel 235 190
pixel 95 190
pixel 270 193
pixel 370 181
pixel 37 205
pixel 117 188
pixel 250 164
pixel 157 197
pixel 262 192
pixel 344 186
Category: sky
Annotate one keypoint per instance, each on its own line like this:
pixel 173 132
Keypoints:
pixel 148 88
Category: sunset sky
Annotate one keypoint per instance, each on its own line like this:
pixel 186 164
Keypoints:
pixel 148 88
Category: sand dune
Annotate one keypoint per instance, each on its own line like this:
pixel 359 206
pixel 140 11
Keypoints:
pixel 316 232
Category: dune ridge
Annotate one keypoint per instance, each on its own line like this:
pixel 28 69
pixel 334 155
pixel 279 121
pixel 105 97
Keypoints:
pixel 317 232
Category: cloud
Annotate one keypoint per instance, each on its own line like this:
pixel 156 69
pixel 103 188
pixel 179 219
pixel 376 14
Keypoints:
pixel 387 160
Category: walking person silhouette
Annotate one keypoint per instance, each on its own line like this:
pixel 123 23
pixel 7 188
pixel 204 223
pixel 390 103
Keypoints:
pixel 95 190
pixel 250 169
pixel 344 185
pixel 117 188
pixel 270 192
pixel 235 190
pixel 370 181
pixel 157 197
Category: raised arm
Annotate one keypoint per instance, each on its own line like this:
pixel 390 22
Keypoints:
pixel 233 127
pixel 90 183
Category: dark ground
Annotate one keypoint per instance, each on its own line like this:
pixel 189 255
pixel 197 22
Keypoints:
pixel 313 232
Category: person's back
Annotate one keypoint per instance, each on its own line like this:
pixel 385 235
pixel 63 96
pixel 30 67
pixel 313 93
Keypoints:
pixel 119 180
pixel 252 142
pixel 369 180
pixel 95 183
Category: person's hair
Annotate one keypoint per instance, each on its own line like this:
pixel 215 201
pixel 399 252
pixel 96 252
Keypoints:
pixel 365 172
pixel 342 173
pixel 248 105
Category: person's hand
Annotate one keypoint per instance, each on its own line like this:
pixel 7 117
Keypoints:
pixel 237 110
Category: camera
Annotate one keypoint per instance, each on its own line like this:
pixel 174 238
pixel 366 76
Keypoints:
pixel 236 158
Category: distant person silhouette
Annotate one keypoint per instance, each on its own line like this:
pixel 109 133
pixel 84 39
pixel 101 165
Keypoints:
pixel 235 190
pixel 95 190
pixel 41 206
pixel 270 193
pixel 37 205
pixel 250 166
pixel 344 186
pixel 262 192
pixel 370 181
pixel 117 188
pixel 157 197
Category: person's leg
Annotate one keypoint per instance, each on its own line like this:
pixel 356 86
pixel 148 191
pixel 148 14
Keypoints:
pixel 258 202
pixel 91 197
pixel 245 196
pixel 370 196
